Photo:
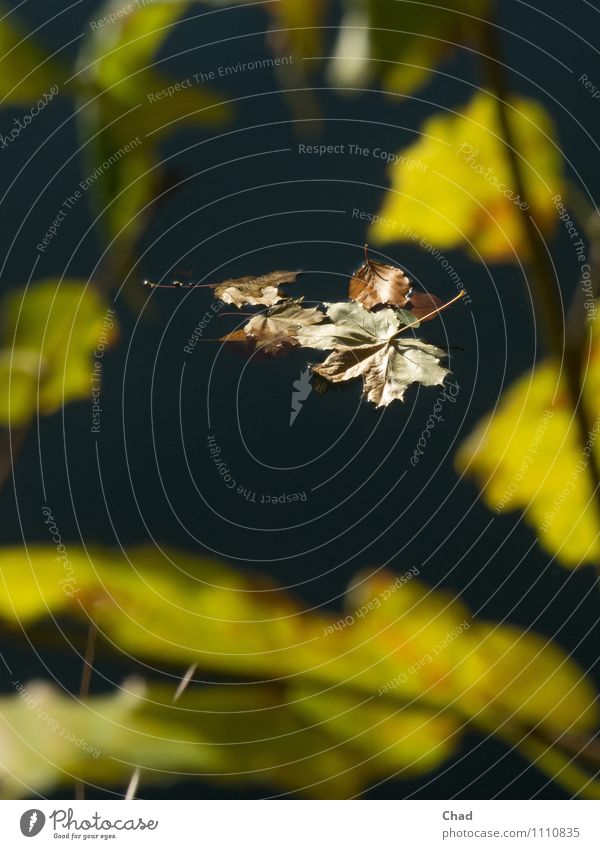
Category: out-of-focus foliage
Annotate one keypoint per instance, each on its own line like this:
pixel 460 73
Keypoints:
pixel 527 456
pixel 124 107
pixel 303 20
pixel 118 67
pixel 453 186
pixel 228 734
pixel 387 687
pixel 401 43
pixel 48 334
pixel 26 71
pixel 125 100
pixel 297 36
pixel 296 26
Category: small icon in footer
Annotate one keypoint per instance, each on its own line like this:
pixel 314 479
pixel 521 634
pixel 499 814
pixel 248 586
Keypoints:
pixel 32 822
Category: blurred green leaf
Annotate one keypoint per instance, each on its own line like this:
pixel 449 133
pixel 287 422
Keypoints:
pixel 297 26
pixel 390 684
pixel 48 333
pixel 26 71
pixel 116 64
pixel 401 43
pixel 127 108
pixel 49 739
pixel 527 456
pixel 390 739
pixel 453 187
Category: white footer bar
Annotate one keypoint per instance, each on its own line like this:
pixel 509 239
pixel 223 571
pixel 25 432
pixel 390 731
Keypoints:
pixel 302 824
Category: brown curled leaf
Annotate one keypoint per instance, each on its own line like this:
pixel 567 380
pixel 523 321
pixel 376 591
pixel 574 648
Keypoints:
pixel 376 283
pixel 255 291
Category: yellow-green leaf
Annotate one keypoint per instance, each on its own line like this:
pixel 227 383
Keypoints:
pixel 245 734
pixel 386 737
pixel 26 71
pixel 49 333
pixel 399 659
pixel 127 107
pixel 401 43
pixel 454 186
pixel 527 456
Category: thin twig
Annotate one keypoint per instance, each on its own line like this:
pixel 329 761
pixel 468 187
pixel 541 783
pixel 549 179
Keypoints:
pixel 185 681
pixel 133 785
pixel 176 284
pixel 84 687
pixel 134 781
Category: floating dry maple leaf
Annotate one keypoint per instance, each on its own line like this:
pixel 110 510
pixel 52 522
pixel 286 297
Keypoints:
pixel 369 345
pixel 255 291
pixel 276 330
pixel 363 344
pixel 364 335
pixel 376 284
pixel 242 291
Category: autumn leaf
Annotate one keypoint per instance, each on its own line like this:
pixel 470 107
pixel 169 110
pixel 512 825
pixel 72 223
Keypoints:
pixel 527 456
pixel 388 369
pixel 277 330
pixel 376 283
pixel 255 291
pixel 367 345
pixel 455 186
pixel 424 306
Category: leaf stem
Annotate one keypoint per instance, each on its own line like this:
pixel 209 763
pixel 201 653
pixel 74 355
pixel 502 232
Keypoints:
pixel 177 285
pixel 433 313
